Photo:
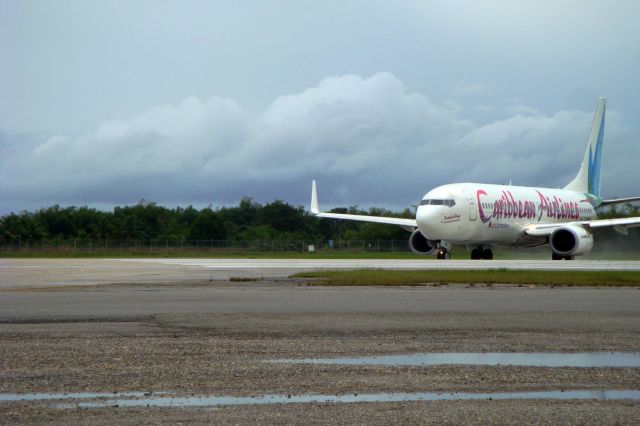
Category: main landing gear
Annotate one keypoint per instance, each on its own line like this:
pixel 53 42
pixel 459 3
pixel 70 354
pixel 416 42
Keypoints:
pixel 480 253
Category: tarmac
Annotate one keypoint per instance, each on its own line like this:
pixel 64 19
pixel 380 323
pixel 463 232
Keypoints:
pixel 182 330
pixel 21 273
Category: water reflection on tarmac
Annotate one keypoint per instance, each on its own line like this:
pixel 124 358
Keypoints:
pixel 529 359
pixel 213 401
pixel 162 399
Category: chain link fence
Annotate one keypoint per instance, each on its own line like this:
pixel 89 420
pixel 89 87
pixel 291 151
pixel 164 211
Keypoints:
pixel 186 246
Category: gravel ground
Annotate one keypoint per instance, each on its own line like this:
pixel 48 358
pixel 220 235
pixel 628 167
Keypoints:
pixel 207 353
pixel 458 412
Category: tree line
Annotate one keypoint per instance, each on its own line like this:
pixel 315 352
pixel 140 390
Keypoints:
pixel 248 221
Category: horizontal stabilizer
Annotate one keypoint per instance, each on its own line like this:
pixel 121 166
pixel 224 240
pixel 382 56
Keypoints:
pixel 619 201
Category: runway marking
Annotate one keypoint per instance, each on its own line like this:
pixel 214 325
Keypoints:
pixel 303 264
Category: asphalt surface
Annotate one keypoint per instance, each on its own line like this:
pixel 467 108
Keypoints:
pixel 99 288
pixel 288 298
pixel 182 327
pixel 270 267
pixel 23 273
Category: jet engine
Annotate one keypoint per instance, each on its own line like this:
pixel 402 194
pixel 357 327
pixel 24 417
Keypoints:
pixel 571 240
pixel 420 245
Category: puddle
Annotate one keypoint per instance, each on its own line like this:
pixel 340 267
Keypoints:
pixel 529 359
pixel 215 401
pixel 166 399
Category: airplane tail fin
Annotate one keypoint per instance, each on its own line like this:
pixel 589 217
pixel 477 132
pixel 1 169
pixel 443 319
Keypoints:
pixel 588 178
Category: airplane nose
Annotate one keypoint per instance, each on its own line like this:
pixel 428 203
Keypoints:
pixel 426 217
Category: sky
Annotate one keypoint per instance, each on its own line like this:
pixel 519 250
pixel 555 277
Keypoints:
pixel 106 103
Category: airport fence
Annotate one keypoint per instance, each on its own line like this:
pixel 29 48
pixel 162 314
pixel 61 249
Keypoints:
pixel 79 246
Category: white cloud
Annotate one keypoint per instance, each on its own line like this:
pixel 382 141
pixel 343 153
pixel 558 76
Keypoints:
pixel 367 141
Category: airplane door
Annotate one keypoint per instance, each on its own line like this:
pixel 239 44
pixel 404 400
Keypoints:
pixel 473 209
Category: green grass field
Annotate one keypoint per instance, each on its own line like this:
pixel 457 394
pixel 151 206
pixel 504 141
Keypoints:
pixel 366 277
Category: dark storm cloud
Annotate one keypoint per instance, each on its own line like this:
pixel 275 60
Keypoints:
pixel 368 141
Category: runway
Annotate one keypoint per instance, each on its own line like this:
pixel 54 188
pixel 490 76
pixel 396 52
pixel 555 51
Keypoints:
pixel 299 265
pixel 180 326
pixel 134 288
pixel 21 273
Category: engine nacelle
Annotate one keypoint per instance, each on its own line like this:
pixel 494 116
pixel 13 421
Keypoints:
pixel 571 240
pixel 420 245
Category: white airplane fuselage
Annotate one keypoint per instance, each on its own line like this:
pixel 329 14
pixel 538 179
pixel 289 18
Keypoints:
pixel 496 215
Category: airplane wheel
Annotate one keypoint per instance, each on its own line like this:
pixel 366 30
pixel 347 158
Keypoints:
pixel 556 256
pixel 443 254
pixel 476 254
pixel 487 254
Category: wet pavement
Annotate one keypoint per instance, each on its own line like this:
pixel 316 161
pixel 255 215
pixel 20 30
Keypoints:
pixel 534 359
pixel 170 344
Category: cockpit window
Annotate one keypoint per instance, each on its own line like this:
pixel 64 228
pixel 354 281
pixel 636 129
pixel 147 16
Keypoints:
pixel 437 202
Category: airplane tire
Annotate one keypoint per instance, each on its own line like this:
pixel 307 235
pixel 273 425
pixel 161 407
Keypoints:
pixel 487 254
pixel 476 254
pixel 443 254
pixel 556 256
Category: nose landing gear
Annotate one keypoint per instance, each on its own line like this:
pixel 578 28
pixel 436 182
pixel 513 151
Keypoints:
pixel 444 250
pixel 443 253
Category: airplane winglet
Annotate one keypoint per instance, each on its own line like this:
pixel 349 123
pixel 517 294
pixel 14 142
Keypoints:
pixel 314 198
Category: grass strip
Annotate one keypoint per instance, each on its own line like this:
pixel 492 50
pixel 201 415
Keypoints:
pixel 367 277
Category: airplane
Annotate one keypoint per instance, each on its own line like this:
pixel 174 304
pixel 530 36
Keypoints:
pixel 487 215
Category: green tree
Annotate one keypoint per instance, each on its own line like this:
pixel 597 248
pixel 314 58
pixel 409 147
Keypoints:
pixel 208 225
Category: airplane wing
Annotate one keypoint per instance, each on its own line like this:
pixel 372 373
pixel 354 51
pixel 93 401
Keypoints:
pixel 619 224
pixel 408 224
